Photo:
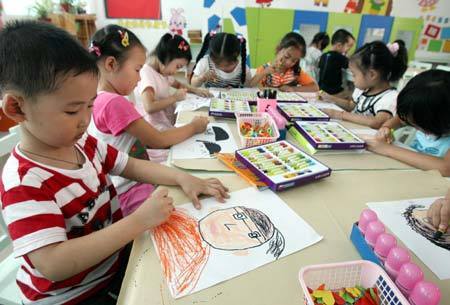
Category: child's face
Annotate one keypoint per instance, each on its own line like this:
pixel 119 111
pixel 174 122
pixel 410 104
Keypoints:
pixel 127 76
pixel 344 48
pixel 288 57
pixel 361 80
pixel 227 66
pixel 172 67
pixel 60 118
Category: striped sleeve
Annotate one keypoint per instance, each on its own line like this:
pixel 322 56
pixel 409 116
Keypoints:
pixel 33 218
pixel 304 79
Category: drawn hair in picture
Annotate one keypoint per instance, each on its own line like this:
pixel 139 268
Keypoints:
pixel 416 217
pixel 184 243
pixel 219 135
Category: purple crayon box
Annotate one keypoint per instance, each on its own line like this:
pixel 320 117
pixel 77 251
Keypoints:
pixel 281 165
pixel 302 112
pixel 227 108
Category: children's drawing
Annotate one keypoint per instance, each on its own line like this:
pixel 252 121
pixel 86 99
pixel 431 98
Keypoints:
pixel 264 3
pixel 407 219
pixel 353 6
pixel 321 2
pixel 416 216
pixel 428 5
pixel 375 7
pixel 217 138
pixel 199 249
pixel 177 22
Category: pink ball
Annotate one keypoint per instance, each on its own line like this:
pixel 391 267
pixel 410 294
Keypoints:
pixel 395 259
pixel 373 230
pixel 408 276
pixel 384 243
pixel 366 216
pixel 425 293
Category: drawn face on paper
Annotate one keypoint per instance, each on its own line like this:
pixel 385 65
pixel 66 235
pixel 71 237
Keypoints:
pixel 416 216
pixel 236 228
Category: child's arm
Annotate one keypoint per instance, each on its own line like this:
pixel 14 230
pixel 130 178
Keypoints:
pixel 152 105
pixel 312 87
pixel 197 91
pixel 371 121
pixel 199 80
pixel 343 103
pixel 154 138
pixel 385 131
pixel 260 74
pixel 415 159
pixel 63 260
pixel 149 172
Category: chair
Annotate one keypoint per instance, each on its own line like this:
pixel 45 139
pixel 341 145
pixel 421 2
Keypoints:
pixel 442 67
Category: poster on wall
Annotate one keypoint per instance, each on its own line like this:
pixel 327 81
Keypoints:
pixel 377 7
pixel 140 9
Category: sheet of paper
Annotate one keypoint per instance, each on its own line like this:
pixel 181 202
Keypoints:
pixel 320 104
pixel 217 138
pixel 192 103
pixel 201 248
pixel 408 222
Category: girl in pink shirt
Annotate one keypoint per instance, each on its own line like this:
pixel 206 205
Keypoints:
pixel 120 56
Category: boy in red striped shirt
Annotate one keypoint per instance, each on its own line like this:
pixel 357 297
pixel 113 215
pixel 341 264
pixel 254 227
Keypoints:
pixel 56 196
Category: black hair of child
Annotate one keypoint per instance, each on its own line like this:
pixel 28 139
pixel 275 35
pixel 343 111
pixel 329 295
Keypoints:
pixel 114 40
pixel 293 39
pixel 225 47
pixel 171 47
pixel 35 57
pixel 322 40
pixel 341 36
pixel 425 102
pixel 377 56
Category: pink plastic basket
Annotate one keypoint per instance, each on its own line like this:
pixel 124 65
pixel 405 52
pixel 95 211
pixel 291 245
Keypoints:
pixel 349 274
pixel 256 118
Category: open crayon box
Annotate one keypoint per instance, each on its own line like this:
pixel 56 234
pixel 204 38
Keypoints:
pixel 313 136
pixel 281 165
pixel 227 108
pixel 301 112
pixel 251 96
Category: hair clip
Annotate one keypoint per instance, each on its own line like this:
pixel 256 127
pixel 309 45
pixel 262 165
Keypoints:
pixel 241 38
pixel 183 46
pixel 124 38
pixel 94 49
pixel 393 48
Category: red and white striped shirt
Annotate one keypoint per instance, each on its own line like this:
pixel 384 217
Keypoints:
pixel 43 205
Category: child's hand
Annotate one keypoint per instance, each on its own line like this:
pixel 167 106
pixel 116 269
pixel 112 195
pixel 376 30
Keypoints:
pixel 155 210
pixel 375 145
pixel 200 123
pixel 208 76
pixel 439 213
pixel 180 94
pixel 385 134
pixel 193 187
pixel 286 88
pixel 333 113
pixel 269 69
pixel 202 92
pixel 325 97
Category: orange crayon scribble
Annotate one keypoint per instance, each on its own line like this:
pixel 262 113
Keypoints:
pixel 182 252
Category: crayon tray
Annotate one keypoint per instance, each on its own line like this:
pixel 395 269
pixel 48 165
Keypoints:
pixel 302 112
pixel 328 135
pixel 251 96
pixel 281 165
pixel 227 108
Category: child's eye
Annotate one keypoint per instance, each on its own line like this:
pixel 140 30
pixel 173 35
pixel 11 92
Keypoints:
pixel 71 112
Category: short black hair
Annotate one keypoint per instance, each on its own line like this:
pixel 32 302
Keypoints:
pixel 321 39
pixel 376 55
pixel 225 47
pixel 341 36
pixel 171 47
pixel 113 40
pixel 35 57
pixel 425 102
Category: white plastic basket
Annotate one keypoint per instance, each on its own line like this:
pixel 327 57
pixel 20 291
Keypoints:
pixel 349 274
pixel 256 118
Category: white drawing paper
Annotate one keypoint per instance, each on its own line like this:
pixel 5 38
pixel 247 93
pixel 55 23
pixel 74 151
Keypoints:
pixel 192 103
pixel 408 222
pixel 201 248
pixel 216 139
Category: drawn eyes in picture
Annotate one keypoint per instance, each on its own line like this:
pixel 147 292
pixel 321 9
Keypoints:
pixel 416 217
pixel 184 243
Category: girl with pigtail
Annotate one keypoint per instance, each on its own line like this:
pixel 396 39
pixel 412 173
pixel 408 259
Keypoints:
pixel 222 62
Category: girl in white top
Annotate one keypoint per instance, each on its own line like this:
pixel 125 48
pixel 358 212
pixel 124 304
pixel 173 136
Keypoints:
pixel 225 64
pixel 374 66
pixel 311 61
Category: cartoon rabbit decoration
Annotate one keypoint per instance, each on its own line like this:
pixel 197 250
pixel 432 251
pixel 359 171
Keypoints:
pixel 177 22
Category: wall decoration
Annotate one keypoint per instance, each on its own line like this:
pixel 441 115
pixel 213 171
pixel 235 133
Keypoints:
pixel 374 28
pixel 377 7
pixel 353 6
pixel 264 3
pixel 321 3
pixel 141 9
pixel 213 22
pixel 446 47
pixel 407 29
pixel 445 34
pixel 309 23
pixel 435 45
pixel 238 14
pixel 208 3
pixel 428 5
pixel 432 31
pixel 177 22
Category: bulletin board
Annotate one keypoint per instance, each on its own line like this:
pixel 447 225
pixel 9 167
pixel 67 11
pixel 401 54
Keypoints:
pixel 434 41
pixel 374 28
pixel 265 28
pixel 309 23
pixel 141 9
pixel 407 29
pixel 350 22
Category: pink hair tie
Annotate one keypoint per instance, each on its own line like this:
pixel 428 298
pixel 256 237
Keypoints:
pixel 94 49
pixel 393 48
pixel 241 38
